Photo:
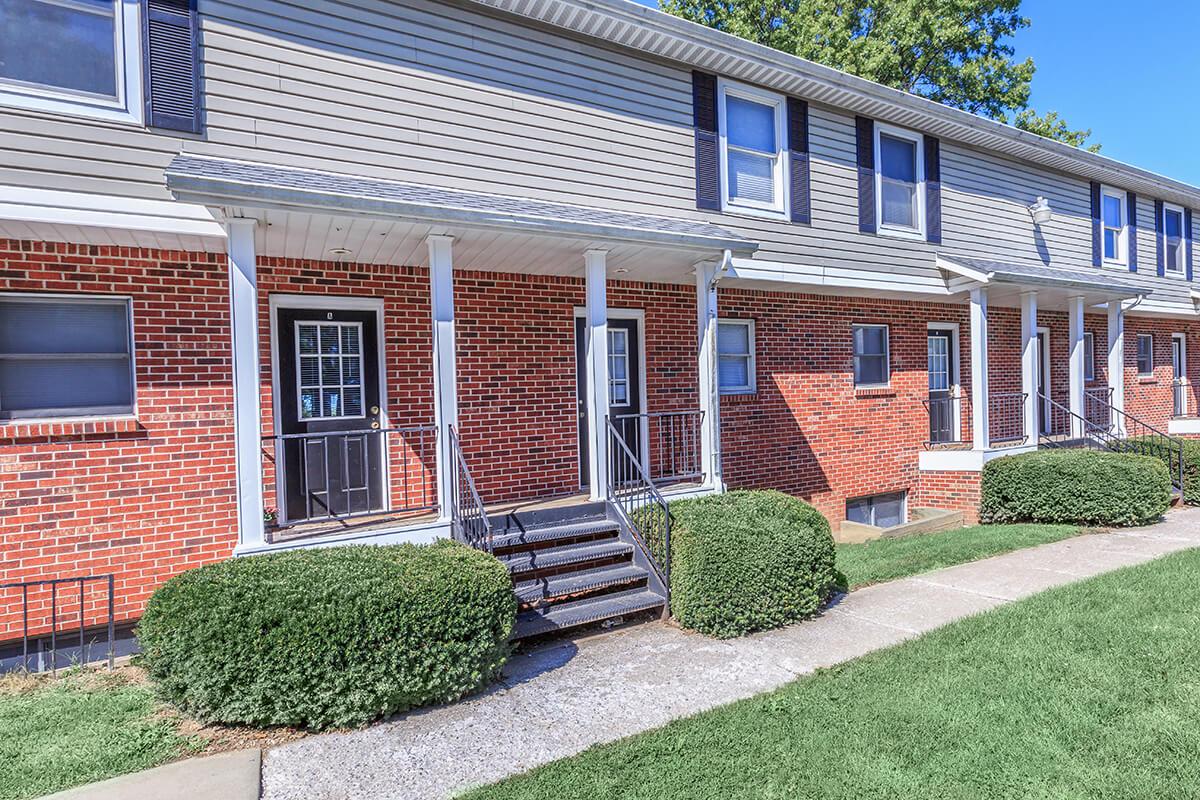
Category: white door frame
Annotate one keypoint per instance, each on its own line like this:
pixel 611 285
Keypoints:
pixel 1047 389
pixel 332 303
pixel 638 315
pixel 1183 379
pixel 955 372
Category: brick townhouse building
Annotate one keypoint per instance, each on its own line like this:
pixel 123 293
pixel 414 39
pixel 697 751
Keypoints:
pixel 279 275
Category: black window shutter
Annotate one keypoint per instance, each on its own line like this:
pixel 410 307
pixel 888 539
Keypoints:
pixel 1131 205
pixel 1158 238
pixel 1096 252
pixel 801 195
pixel 933 190
pixel 171 41
pixel 1187 239
pixel 865 130
pixel 704 119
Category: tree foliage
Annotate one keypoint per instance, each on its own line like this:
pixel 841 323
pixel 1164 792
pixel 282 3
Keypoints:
pixel 1052 126
pixel 955 52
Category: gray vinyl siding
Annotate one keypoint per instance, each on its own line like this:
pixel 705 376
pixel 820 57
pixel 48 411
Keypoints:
pixel 434 92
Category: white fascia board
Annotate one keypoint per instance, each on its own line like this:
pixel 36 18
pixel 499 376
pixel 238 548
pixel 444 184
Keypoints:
pixel 848 278
pixel 955 268
pixel 55 207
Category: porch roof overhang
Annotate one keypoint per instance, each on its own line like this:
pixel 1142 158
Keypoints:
pixel 1051 283
pixel 226 182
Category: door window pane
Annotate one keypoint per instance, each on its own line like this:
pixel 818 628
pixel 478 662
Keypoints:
pixel 329 370
pixel 60 45
pixel 61 357
pixel 618 367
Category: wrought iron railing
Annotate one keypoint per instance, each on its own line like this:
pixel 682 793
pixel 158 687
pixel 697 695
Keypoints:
pixel 80 631
pixel 632 491
pixel 341 475
pixel 669 442
pixel 469 521
pixel 1006 416
pixel 1127 434
pixel 1179 393
pixel 1097 407
pixel 945 419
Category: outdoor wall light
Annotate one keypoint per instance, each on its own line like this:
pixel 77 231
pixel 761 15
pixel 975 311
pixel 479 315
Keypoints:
pixel 1041 211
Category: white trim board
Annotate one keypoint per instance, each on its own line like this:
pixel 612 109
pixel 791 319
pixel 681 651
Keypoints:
pixel 965 460
pixel 54 207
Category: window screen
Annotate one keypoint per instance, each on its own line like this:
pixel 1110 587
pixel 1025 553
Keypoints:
pixel 64 357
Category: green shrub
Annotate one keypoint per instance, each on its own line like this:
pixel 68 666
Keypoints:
pixel 1083 487
pixel 1153 446
pixel 748 561
pixel 328 637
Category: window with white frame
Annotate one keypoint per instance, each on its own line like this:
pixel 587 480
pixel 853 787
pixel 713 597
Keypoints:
pixel 871 356
pixel 735 356
pixel 65 357
pixel 880 510
pixel 1145 354
pixel 329 370
pixel 752 149
pixel 1114 225
pixel 72 56
pixel 900 183
pixel 618 367
pixel 1173 240
pixel 1089 357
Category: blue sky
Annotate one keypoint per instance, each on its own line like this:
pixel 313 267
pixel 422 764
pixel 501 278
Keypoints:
pixel 1129 75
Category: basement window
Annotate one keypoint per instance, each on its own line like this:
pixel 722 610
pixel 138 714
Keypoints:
pixel 880 510
pixel 65 357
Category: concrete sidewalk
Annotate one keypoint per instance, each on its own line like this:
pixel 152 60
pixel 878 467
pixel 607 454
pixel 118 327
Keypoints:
pixel 225 776
pixel 563 698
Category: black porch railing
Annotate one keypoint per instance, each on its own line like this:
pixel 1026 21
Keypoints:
pixel 1006 417
pixel 667 443
pixel 342 475
pixel 469 521
pixel 62 593
pixel 1097 408
pixel 945 419
pixel 1126 434
pixel 633 492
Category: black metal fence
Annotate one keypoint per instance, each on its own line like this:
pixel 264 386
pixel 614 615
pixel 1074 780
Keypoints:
pixel 633 492
pixel 668 443
pixel 468 516
pixel 1006 416
pixel 341 475
pixel 64 592
pixel 945 419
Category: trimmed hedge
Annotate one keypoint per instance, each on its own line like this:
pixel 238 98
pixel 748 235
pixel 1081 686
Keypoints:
pixel 328 637
pixel 1150 445
pixel 1082 487
pixel 748 561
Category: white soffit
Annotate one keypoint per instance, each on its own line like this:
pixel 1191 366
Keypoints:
pixel 46 207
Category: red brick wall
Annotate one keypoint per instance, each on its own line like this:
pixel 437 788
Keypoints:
pixel 144 498
pixel 1151 398
pixel 950 490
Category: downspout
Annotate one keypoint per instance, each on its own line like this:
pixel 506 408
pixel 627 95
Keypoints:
pixel 710 333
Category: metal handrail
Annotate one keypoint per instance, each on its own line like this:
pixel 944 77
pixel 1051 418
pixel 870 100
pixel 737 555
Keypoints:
pixel 1125 434
pixel 469 521
pixel 1012 426
pixel 945 417
pixel 645 510
pixel 54 583
pixel 674 447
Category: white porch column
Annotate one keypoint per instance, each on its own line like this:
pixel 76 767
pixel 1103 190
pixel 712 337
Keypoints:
pixel 445 370
pixel 597 370
pixel 706 370
pixel 1029 363
pixel 1077 382
pixel 247 419
pixel 1116 360
pixel 979 370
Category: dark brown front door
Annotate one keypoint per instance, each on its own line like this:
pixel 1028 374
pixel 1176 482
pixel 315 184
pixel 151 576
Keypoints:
pixel 943 418
pixel 624 387
pixel 329 415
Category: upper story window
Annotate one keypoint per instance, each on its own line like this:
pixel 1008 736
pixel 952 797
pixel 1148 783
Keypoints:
pixel 1114 218
pixel 752 150
pixel 65 356
pixel 735 352
pixel 1173 240
pixel 871 356
pixel 901 189
pixel 80 57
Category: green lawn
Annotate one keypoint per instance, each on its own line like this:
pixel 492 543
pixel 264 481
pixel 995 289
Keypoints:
pixel 888 559
pixel 55 734
pixel 1088 691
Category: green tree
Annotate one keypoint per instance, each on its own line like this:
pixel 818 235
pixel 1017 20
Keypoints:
pixel 1052 126
pixel 953 51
